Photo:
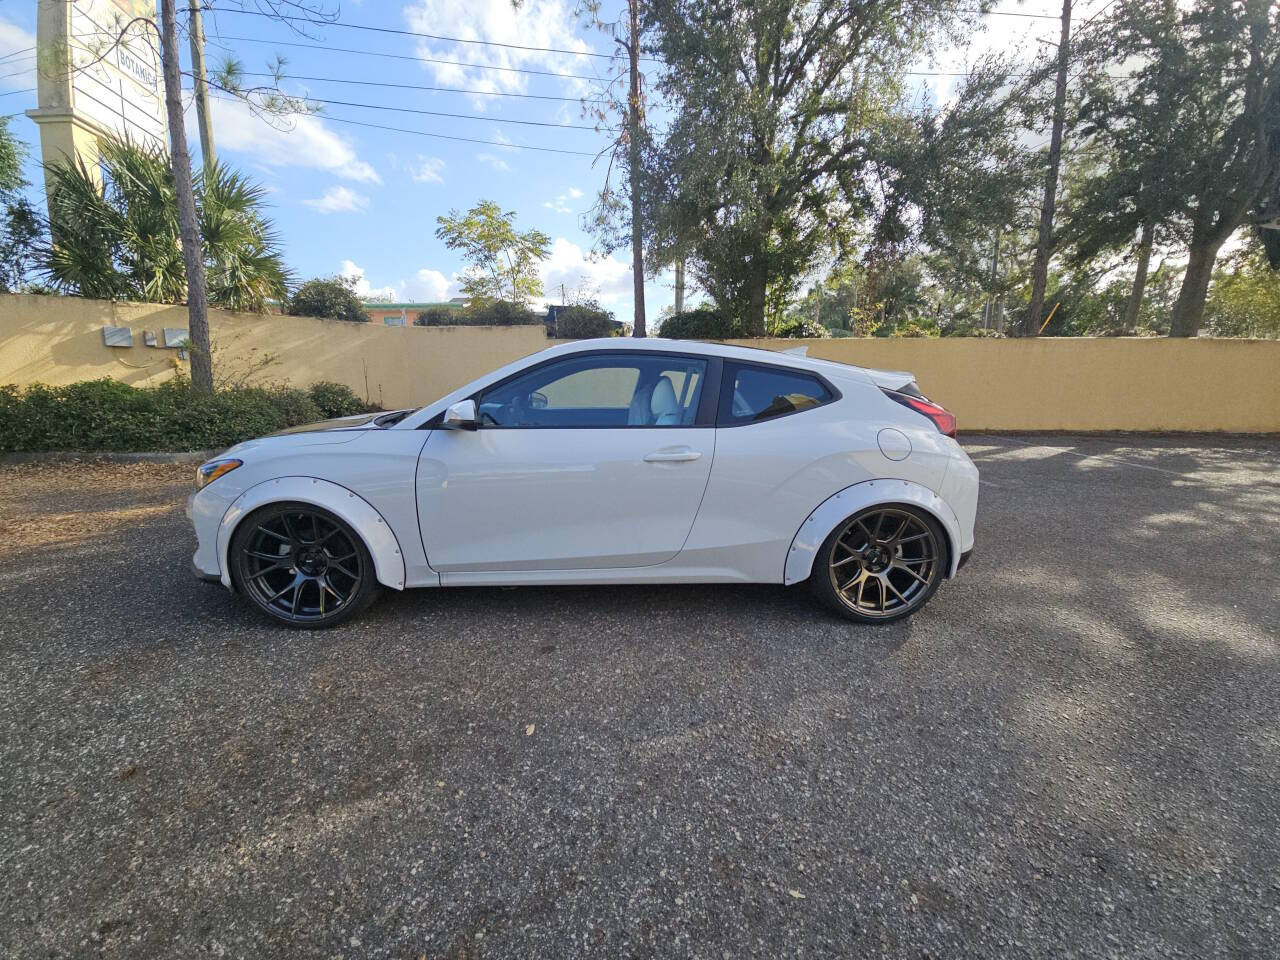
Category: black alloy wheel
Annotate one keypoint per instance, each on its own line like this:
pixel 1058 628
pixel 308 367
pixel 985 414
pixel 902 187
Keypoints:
pixel 301 565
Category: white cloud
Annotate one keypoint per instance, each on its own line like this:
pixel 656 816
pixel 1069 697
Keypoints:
pixel 535 23
pixel 427 170
pixel 22 68
pixel 339 199
pixel 561 203
pixel 606 278
pixel 426 286
pixel 496 162
pixel 362 287
pixel 306 142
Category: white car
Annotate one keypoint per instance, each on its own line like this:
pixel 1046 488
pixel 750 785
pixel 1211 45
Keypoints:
pixel 604 461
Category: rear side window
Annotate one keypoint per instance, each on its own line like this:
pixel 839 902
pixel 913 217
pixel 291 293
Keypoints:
pixel 751 394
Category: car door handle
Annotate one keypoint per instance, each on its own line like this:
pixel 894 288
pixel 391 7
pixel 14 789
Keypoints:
pixel 672 456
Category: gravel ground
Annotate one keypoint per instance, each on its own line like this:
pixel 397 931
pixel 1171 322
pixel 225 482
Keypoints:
pixel 1073 752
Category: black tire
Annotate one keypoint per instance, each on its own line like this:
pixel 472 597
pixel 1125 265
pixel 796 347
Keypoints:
pixel 301 566
pixel 891 559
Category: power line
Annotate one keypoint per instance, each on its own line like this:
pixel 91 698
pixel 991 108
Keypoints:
pixel 445 136
pixel 453 116
pixel 435 36
pixel 16 53
pixel 10 93
pixel 16 73
pixel 405 56
pixel 421 86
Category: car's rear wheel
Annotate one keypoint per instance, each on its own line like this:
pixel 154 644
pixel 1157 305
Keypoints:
pixel 881 564
pixel 301 565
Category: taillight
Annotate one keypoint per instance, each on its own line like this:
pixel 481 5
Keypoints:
pixel 944 420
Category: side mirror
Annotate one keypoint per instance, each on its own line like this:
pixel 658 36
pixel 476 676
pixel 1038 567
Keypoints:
pixel 462 416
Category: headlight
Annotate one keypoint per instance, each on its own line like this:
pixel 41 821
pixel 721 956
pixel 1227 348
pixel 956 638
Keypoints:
pixel 211 471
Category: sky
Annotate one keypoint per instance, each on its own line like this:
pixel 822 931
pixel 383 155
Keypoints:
pixel 362 201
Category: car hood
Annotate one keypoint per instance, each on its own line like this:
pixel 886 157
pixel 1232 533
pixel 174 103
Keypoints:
pixel 360 421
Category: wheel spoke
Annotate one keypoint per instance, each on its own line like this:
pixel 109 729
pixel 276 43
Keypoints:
pixel 916 559
pixel 345 556
pixel 885 581
pixel 911 572
pixel 297 593
pixel 292 584
pixel 914 537
pixel 897 533
pixel 326 586
pixel 272 533
pixel 264 556
pixel 337 566
pixel 271 569
pixel 840 563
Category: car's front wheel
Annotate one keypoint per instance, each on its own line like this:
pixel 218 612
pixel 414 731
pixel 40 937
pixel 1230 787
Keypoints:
pixel 881 564
pixel 301 565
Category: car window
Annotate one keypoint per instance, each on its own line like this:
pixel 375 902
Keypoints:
pixel 751 393
pixel 647 390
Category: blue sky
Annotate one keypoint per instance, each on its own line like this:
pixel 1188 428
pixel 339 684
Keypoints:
pixel 363 201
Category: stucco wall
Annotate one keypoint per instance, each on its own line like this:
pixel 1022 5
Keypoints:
pixel 1042 384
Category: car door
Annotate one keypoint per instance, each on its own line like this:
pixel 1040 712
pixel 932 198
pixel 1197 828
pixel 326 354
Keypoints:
pixel 596 460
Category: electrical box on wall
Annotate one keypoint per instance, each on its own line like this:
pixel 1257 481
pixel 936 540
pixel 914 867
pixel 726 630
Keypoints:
pixel 117 336
pixel 149 338
pixel 175 336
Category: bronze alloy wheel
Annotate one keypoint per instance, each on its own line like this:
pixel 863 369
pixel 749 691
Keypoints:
pixel 882 564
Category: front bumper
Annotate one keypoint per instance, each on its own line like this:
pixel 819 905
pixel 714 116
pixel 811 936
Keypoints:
pixel 964 558
pixel 205 513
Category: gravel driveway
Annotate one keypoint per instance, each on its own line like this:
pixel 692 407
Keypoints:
pixel 1073 752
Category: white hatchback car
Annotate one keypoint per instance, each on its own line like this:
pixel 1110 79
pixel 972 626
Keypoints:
pixel 604 461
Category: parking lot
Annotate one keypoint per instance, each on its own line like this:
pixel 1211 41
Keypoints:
pixel 1073 751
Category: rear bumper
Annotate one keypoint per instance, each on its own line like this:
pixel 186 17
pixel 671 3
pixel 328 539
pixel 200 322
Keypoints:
pixel 201 575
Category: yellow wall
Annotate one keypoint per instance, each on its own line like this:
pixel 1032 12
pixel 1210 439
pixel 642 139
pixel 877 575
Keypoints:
pixel 1042 384
pixel 58 340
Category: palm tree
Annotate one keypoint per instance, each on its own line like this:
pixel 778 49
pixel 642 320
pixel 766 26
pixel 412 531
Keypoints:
pixel 115 235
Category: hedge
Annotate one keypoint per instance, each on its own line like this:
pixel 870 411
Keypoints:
pixel 701 324
pixel 109 415
pixel 584 322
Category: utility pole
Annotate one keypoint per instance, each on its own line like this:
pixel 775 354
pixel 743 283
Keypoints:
pixel 1044 244
pixel 633 162
pixel 680 285
pixel 201 83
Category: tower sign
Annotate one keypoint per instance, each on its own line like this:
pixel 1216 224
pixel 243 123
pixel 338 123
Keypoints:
pixel 99 74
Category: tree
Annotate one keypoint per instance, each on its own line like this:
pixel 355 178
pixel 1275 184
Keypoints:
pixel 1245 299
pixel 333 298
pixel 115 231
pixel 1207 74
pixel 770 159
pixel 20 228
pixel 502 262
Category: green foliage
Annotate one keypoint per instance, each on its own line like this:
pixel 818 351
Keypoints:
pixel 108 415
pixel 20 227
pixel 332 298
pixel 335 399
pixel 798 327
pixel 502 263
pixel 582 321
pixel 703 323
pixel 782 115
pixel 496 313
pixel 436 317
pixel 116 236
pixel 1245 299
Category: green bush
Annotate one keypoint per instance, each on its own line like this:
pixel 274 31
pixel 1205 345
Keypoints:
pixel 108 415
pixel 701 324
pixel 333 298
pixel 335 399
pixel 496 313
pixel 438 317
pixel 583 321
pixel 798 327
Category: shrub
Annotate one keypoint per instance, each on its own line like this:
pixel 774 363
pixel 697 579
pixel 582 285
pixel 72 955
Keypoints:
pixel 582 321
pixel 335 399
pixel 497 313
pixel 703 323
pixel 798 327
pixel 108 415
pixel 437 317
pixel 333 298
